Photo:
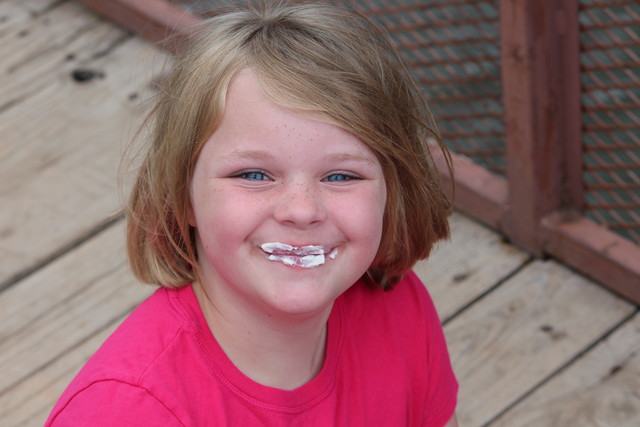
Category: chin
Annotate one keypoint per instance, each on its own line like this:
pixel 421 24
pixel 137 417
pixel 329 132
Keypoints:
pixel 301 301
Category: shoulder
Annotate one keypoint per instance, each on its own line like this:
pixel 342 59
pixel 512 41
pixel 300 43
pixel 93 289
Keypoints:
pixel 112 402
pixel 148 331
pixel 128 366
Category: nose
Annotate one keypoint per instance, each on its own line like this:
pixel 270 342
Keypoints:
pixel 301 205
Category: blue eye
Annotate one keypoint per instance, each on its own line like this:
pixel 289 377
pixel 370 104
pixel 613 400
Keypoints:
pixel 340 177
pixel 253 176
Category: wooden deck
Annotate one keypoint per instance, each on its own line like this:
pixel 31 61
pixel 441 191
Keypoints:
pixel 533 343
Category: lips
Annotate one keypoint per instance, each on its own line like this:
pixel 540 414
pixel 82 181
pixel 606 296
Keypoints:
pixel 308 256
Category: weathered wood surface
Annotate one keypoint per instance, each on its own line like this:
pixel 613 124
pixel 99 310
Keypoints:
pixel 532 342
pixel 29 402
pixel 602 388
pixel 64 303
pixel 470 264
pixel 523 332
pixel 62 139
pixel 52 321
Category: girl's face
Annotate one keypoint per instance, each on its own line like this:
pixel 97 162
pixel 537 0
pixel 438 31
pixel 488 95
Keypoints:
pixel 273 175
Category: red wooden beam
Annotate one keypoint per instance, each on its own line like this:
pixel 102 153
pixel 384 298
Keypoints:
pixel 478 192
pixel 156 20
pixel 599 253
pixel 541 92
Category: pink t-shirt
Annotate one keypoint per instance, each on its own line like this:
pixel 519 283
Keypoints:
pixel 386 364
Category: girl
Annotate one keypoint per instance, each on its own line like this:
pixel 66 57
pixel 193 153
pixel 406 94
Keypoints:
pixel 288 184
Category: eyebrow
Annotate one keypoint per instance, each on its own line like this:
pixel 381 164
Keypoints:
pixel 345 157
pixel 247 155
pixel 265 155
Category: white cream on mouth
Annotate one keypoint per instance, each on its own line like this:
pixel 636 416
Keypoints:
pixel 304 256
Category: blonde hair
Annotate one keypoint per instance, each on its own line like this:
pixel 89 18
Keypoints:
pixel 312 57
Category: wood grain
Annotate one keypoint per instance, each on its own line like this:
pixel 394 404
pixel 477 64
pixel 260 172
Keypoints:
pixel 62 140
pixel 520 334
pixel 29 402
pixel 467 266
pixel 602 388
pixel 61 306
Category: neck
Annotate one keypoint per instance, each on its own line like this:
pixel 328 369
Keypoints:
pixel 283 352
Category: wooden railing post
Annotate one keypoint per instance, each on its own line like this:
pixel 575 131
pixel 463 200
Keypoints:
pixel 541 87
pixel 156 20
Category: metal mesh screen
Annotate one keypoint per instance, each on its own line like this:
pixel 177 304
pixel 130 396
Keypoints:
pixel 452 49
pixel 610 74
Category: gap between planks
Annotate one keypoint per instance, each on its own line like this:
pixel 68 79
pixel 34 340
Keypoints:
pixel 516 414
pixel 600 387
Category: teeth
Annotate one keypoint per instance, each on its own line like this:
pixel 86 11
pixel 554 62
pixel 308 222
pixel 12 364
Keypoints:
pixel 272 247
pixel 308 261
pixel 305 256
pixel 284 249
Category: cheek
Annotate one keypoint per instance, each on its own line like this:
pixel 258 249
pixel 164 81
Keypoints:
pixel 224 216
pixel 366 216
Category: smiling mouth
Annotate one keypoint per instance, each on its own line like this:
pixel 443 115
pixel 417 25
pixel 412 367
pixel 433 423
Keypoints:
pixel 298 256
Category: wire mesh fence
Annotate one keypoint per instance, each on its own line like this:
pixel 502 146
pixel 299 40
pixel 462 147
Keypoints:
pixel 610 79
pixel 452 48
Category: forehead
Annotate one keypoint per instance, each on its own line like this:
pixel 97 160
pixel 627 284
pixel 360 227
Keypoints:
pixel 253 123
pixel 250 90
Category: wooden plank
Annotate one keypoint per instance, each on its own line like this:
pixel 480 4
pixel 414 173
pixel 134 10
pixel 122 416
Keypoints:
pixel 520 334
pixel 599 389
pixel 541 93
pixel 64 304
pixel 467 266
pixel 62 140
pixel 36 47
pixel 13 13
pixel 29 402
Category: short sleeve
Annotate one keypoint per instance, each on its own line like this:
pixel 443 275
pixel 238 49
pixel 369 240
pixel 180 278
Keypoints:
pixel 112 403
